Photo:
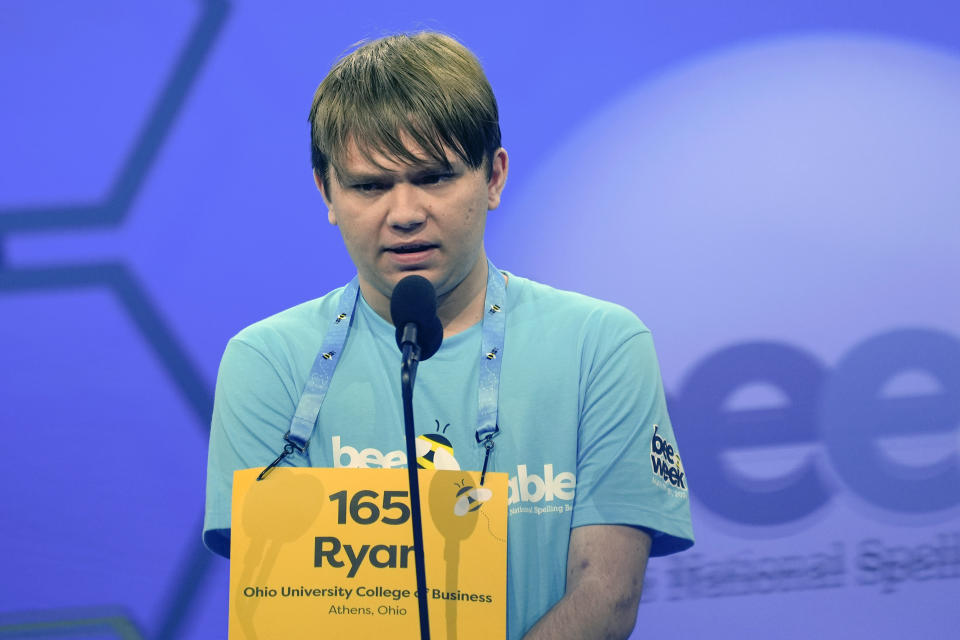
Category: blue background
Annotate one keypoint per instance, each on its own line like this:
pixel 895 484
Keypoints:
pixel 771 187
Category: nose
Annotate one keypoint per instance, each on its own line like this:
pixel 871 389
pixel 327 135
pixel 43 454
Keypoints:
pixel 406 211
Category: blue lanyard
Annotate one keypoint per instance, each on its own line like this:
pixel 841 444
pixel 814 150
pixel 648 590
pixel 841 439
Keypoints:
pixel 318 383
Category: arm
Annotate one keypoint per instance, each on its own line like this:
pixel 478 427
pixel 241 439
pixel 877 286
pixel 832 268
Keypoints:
pixel 251 410
pixel 605 567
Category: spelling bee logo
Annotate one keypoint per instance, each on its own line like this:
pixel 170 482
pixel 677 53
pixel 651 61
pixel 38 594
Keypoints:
pixel 665 462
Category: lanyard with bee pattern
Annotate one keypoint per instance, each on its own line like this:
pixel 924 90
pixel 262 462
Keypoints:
pixel 315 390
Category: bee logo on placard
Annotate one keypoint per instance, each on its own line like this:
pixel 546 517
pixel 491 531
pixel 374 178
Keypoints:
pixel 434 451
pixel 470 498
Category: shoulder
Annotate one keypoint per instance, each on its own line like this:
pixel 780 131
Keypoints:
pixel 575 315
pixel 293 329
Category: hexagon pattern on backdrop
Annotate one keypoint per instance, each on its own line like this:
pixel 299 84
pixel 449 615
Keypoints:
pixel 786 200
pixel 90 331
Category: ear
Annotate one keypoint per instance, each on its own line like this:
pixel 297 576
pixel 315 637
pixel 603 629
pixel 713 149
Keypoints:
pixel 499 164
pixel 331 216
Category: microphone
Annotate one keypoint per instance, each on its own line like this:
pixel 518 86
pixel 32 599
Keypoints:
pixel 413 307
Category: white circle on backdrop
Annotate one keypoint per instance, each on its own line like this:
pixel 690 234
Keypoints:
pixel 801 190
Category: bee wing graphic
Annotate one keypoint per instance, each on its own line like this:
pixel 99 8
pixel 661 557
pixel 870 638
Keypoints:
pixel 445 461
pixel 462 506
pixel 423 446
pixel 481 494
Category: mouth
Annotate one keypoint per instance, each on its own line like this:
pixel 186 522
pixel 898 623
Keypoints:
pixel 406 249
pixel 411 254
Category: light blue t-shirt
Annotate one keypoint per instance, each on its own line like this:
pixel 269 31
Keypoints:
pixel 585 436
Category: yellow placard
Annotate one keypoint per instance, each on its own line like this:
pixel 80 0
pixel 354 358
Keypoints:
pixel 328 553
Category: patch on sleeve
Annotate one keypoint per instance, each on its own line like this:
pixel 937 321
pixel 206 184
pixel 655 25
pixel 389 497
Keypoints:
pixel 666 466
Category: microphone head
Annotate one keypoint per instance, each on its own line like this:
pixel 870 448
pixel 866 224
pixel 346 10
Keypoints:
pixel 415 300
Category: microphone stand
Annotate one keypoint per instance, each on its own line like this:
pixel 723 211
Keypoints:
pixel 408 375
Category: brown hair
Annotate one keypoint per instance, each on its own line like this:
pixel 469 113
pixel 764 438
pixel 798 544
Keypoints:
pixel 426 88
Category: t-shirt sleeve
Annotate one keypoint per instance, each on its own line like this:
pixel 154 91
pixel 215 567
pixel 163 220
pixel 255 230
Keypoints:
pixel 629 470
pixel 251 414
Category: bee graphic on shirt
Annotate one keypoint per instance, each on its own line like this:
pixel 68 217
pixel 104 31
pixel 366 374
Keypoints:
pixel 341 318
pixel 469 498
pixel 434 451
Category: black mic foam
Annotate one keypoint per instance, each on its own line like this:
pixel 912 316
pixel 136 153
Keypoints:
pixel 415 300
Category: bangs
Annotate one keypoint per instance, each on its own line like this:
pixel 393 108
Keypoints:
pixel 413 99
pixel 402 139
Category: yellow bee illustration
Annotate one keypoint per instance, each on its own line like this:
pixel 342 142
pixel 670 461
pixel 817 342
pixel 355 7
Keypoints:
pixel 434 451
pixel 470 499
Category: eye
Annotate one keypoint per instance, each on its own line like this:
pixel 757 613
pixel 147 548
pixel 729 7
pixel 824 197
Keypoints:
pixel 436 178
pixel 369 187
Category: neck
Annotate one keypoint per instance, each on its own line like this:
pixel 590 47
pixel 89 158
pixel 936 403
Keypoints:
pixel 458 309
pixel 462 307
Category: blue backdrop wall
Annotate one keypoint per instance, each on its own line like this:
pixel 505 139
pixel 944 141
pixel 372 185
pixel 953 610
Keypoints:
pixel 772 187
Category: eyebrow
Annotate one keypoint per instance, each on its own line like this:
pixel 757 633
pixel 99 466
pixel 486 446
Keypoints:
pixel 414 172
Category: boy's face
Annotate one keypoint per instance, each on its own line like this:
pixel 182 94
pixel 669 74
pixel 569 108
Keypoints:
pixel 397 220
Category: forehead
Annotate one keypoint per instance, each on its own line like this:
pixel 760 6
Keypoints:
pixel 371 159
